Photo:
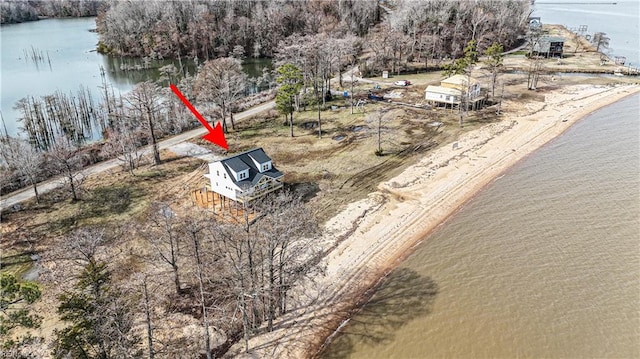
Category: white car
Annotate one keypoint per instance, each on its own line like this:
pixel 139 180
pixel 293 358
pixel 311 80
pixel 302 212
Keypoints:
pixel 402 83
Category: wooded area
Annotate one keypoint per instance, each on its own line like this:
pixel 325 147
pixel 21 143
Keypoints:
pixel 15 11
pixel 232 275
pixel 209 30
pixel 422 30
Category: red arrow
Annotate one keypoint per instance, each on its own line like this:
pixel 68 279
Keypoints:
pixel 215 135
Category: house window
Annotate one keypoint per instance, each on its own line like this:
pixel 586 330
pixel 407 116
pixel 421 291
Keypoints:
pixel 265 166
pixel 218 173
pixel 243 175
pixel 225 175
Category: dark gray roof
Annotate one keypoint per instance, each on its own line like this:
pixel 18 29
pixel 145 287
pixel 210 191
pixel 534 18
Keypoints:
pixel 273 173
pixel 236 164
pixel 256 178
pixel 243 161
pixel 259 156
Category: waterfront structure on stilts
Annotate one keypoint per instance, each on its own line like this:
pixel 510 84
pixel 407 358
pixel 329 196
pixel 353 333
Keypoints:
pixel 237 180
pixel 454 91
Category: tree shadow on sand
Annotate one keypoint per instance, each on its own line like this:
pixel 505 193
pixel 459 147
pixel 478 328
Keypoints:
pixel 404 295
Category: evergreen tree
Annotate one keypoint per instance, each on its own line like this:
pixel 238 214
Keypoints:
pixel 100 319
pixel 290 79
pixel 13 312
pixel 494 61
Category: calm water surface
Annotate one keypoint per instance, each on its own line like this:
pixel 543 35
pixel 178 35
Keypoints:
pixel 544 263
pixel 69 61
pixel 619 19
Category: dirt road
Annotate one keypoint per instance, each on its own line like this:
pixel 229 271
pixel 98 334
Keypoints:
pixel 24 194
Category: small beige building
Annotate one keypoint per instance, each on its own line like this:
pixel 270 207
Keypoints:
pixel 451 92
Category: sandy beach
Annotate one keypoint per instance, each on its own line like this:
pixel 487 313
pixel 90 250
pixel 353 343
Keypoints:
pixel 370 237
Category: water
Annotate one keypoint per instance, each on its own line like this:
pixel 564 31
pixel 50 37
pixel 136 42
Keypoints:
pixel 620 21
pixel 67 43
pixel 69 60
pixel 543 263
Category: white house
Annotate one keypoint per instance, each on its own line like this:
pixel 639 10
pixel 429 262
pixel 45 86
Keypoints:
pixel 452 89
pixel 245 176
pixel 442 95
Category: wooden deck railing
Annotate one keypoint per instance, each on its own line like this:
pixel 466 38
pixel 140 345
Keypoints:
pixel 256 192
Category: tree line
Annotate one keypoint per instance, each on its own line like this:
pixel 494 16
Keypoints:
pixel 412 30
pixel 207 30
pixel 437 30
pixel 16 11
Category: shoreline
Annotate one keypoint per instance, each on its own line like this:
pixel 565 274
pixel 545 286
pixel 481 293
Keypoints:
pixel 370 237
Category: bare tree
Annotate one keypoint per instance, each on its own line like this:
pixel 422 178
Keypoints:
pixel 601 41
pixel 24 159
pixel 194 230
pixel 236 262
pixel 534 71
pixel 287 247
pixel 400 44
pixel 577 39
pixel 123 143
pixel 64 157
pixel 165 238
pixel 535 62
pixel 146 287
pixel 319 59
pixel 180 117
pixel 478 19
pixel 351 47
pixel 381 46
pixel 146 102
pixel 223 82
